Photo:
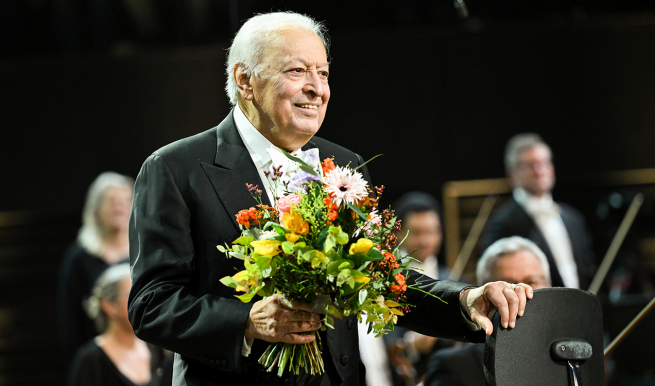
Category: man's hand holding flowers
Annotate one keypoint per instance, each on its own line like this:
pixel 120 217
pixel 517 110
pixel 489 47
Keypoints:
pixel 275 319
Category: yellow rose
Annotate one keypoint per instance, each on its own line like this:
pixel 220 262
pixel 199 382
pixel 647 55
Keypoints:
pixel 361 246
pixel 266 247
pixel 292 237
pixel 295 224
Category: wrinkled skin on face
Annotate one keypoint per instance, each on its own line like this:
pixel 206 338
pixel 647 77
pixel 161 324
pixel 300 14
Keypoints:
pixel 287 99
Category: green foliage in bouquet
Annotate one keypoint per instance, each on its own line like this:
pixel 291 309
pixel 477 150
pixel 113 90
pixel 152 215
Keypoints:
pixel 325 244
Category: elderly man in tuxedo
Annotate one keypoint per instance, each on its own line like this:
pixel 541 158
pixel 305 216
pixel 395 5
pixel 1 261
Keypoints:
pixel 558 229
pixel 186 198
pixel 513 259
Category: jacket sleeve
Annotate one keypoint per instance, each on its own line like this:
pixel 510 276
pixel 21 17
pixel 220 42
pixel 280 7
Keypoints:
pixel 441 317
pixel 164 307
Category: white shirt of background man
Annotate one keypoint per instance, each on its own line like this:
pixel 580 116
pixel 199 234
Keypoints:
pixel 547 215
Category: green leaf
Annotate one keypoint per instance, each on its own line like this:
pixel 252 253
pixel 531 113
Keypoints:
pixel 238 255
pixel 244 240
pixel 341 237
pixel 228 281
pixel 221 248
pixel 288 247
pixel 332 310
pixel 343 276
pixel 329 322
pixel 266 290
pixel 333 267
pixel 362 296
pixel 374 254
pixel 356 210
pixel 303 166
pixel 396 271
pixel 320 240
pixel 368 161
pixel 346 265
pixel 330 242
pixel 246 298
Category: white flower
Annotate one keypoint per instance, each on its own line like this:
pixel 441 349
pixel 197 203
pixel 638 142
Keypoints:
pixel 265 235
pixel 371 226
pixel 345 185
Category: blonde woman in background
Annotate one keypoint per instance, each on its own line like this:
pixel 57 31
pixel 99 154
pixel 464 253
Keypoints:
pixel 102 242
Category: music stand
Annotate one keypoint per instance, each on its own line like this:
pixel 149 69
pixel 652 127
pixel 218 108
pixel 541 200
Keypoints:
pixel 557 342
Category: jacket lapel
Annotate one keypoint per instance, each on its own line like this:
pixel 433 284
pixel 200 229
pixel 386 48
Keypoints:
pixel 232 170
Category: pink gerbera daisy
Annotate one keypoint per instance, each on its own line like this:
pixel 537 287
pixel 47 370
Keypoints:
pixel 345 185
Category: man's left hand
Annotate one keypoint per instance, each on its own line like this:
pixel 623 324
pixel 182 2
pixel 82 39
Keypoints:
pixel 508 298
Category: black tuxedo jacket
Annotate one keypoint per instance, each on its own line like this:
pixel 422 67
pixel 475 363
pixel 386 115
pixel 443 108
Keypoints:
pixel 512 220
pixel 462 366
pixel 186 198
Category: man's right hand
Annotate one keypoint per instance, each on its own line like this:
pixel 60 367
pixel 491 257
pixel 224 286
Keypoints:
pixel 273 320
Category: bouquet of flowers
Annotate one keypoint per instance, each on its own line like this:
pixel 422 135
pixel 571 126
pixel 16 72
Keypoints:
pixel 323 242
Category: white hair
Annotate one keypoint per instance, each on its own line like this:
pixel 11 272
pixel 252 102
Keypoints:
pixel 508 246
pixel 518 144
pixel 254 37
pixel 91 232
pixel 107 288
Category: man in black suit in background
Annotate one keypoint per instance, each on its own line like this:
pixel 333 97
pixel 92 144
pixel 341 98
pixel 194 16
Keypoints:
pixel 513 259
pixel 558 229
pixel 186 198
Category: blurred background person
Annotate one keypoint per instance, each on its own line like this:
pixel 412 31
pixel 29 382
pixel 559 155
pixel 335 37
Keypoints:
pixel 513 259
pixel 102 241
pixel 117 357
pixel 420 215
pixel 558 229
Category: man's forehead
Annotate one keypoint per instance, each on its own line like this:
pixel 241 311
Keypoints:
pixel 292 45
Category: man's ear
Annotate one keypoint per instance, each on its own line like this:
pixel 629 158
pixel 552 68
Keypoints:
pixel 242 81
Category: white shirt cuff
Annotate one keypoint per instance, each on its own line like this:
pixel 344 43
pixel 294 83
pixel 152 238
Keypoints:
pixel 247 346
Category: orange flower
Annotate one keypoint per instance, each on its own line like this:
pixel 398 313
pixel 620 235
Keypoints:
pixel 295 224
pixel 401 287
pixel 328 165
pixel 330 204
pixel 332 215
pixel 390 261
pixel 243 217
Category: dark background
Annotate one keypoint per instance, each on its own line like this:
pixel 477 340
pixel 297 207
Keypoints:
pixel 85 88
pixel 438 95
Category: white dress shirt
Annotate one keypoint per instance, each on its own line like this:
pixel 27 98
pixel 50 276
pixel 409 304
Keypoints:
pixel 547 215
pixel 262 151
pixel 265 155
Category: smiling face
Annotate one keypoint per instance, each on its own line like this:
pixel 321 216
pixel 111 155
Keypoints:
pixel 286 101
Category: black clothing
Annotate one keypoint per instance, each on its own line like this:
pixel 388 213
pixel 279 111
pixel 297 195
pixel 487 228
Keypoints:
pixel 462 366
pixel 186 198
pixel 92 367
pixel 512 220
pixel 78 274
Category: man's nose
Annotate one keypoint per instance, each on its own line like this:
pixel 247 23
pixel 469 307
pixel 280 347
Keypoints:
pixel 314 83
